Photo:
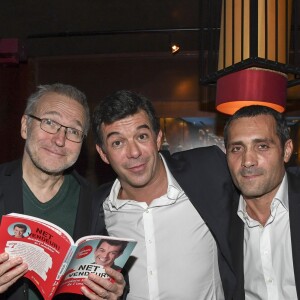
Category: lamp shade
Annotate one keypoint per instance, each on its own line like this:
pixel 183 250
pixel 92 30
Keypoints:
pixel 255 36
pixel 251 86
pixel 260 31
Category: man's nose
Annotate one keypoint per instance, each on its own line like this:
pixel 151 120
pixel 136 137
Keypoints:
pixel 60 136
pixel 249 159
pixel 133 149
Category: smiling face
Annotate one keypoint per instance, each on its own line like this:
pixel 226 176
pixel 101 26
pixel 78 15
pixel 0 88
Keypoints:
pixel 19 232
pixel 52 153
pixel 131 147
pixel 106 254
pixel 255 156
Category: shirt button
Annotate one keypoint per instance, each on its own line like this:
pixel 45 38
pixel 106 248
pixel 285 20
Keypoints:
pixel 270 280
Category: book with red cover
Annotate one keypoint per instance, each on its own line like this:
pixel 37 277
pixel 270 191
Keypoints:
pixel 57 264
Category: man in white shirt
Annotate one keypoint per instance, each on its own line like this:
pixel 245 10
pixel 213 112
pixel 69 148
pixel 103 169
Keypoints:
pixel 265 238
pixel 176 207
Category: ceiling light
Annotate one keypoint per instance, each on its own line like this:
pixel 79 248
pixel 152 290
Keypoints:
pixel 174 48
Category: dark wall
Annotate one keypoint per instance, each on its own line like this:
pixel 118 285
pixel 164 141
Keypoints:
pixel 14 89
pixel 171 82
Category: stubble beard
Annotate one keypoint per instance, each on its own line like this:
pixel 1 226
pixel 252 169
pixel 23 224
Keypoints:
pixel 37 162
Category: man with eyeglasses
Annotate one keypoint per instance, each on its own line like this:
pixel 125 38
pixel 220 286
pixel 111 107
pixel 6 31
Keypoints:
pixel 43 184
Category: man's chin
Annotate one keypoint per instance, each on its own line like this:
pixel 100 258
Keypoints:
pixel 53 170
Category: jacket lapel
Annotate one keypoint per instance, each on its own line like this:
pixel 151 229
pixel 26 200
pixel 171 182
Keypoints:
pixel 11 189
pixel 84 209
pixel 236 238
pixel 98 223
pixel 294 210
pixel 200 191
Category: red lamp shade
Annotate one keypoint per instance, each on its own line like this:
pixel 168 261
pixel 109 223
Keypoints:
pixel 251 86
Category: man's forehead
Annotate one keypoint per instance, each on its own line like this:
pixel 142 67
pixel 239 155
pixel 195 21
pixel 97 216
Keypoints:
pixel 126 125
pixel 254 129
pixel 260 122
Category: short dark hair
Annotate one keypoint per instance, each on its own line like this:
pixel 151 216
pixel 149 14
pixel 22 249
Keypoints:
pixel 120 105
pixel 22 226
pixel 282 129
pixel 123 244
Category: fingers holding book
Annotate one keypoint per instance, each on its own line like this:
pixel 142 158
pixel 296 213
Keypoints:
pixel 10 271
pixel 100 288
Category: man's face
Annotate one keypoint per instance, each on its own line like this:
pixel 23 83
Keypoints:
pixel 53 153
pixel 131 147
pixel 255 156
pixel 106 254
pixel 18 232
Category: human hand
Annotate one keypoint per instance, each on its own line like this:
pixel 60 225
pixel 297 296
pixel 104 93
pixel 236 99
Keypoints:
pixel 10 271
pixel 100 288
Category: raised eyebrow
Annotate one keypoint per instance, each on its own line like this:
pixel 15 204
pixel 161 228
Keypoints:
pixel 112 133
pixel 144 126
pixel 49 114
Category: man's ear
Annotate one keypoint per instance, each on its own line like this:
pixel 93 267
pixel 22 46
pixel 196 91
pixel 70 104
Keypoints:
pixel 24 128
pixel 102 154
pixel 159 140
pixel 288 150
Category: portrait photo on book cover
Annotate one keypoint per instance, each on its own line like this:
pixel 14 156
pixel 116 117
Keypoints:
pixel 107 251
pixel 19 230
pixel 94 256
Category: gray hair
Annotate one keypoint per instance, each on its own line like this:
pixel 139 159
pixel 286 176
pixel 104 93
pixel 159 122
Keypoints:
pixel 61 89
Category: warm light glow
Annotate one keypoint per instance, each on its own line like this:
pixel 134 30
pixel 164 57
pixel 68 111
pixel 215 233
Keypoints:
pixel 174 48
pixel 251 86
pixel 231 107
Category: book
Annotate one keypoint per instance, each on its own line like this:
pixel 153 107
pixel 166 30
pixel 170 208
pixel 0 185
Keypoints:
pixel 56 263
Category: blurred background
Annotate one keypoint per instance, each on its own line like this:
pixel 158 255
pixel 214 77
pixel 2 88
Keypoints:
pixel 103 46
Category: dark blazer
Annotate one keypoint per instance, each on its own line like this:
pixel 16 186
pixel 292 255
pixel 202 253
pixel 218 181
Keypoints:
pixel 203 174
pixel 11 200
pixel 237 236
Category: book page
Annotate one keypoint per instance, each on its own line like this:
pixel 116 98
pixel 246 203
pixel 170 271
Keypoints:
pixel 37 259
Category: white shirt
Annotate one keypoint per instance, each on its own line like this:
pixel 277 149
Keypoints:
pixel 176 255
pixel 268 261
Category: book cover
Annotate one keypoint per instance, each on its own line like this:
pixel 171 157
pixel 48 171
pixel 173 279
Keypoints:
pixel 92 255
pixel 57 264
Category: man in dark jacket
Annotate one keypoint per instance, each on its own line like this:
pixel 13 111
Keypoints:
pixel 43 184
pixel 265 218
pixel 176 206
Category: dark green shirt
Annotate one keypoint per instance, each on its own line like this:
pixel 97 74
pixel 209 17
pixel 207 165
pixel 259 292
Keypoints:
pixel 60 210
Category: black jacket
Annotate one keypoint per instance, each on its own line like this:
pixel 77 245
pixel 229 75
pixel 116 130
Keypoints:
pixel 237 234
pixel 203 174
pixel 11 200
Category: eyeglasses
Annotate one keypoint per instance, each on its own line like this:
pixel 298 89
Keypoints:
pixel 50 126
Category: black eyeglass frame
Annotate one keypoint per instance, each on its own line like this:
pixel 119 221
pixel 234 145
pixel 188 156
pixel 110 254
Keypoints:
pixel 60 126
